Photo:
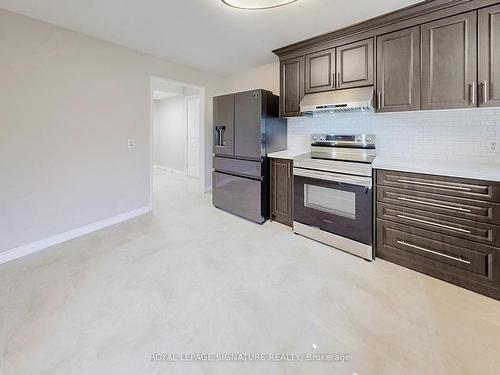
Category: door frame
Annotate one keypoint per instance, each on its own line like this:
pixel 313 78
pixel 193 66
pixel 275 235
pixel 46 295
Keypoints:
pixel 154 80
pixel 187 99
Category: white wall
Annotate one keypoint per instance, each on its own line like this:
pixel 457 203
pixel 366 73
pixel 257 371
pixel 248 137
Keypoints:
pixel 261 77
pixel 170 133
pixel 68 105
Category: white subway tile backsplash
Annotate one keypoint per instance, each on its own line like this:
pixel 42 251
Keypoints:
pixel 448 135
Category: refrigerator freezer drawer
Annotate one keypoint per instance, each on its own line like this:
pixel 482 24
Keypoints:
pixel 238 195
pixel 238 166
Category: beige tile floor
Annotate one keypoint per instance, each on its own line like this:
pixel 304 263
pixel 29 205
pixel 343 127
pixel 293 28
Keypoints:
pixel 190 278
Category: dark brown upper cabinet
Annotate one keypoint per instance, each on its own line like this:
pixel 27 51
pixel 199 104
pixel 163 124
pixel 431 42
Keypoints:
pixel 292 86
pixel 449 62
pixel 398 71
pixel 320 71
pixel 355 64
pixel 489 56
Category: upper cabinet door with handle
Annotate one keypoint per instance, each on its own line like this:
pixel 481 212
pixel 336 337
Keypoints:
pixel 292 86
pixel 449 62
pixel 320 71
pixel 355 64
pixel 398 71
pixel 489 56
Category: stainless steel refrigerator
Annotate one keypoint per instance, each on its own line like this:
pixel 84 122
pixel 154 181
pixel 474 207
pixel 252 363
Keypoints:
pixel 246 128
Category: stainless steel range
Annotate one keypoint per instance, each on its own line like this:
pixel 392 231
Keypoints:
pixel 333 192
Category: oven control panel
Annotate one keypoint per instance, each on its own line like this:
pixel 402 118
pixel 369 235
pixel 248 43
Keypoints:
pixel 356 140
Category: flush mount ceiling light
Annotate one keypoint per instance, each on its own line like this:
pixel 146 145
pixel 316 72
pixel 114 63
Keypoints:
pixel 257 4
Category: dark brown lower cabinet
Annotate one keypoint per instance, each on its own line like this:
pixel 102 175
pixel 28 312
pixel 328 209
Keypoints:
pixel 432 232
pixel 281 191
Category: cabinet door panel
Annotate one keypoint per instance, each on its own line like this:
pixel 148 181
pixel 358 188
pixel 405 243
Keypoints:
pixel 292 86
pixel 224 117
pixel 320 70
pixel 355 64
pixel 449 62
pixel 489 56
pixel 281 190
pixel 398 71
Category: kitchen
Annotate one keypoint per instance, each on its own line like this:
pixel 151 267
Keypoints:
pixel 338 213
pixel 389 149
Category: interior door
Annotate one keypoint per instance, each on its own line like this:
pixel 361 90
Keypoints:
pixel 398 71
pixel 449 62
pixel 355 64
pixel 247 124
pixel 489 56
pixel 320 71
pixel 193 141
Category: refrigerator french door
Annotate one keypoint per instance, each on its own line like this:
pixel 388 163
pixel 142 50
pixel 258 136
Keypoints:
pixel 336 203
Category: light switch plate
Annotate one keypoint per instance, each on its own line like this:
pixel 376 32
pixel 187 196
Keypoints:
pixel 494 145
pixel 131 143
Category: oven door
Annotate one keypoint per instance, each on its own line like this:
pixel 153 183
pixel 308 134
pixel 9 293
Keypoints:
pixel 336 203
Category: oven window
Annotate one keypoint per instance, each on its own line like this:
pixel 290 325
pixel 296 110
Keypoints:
pixel 330 200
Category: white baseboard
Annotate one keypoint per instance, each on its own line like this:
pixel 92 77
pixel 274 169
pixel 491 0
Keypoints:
pixel 7 256
pixel 171 170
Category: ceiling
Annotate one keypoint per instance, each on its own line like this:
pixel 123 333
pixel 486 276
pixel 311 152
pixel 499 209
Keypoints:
pixel 205 34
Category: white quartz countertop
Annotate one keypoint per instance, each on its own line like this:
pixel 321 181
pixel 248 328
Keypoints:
pixel 285 154
pixel 464 169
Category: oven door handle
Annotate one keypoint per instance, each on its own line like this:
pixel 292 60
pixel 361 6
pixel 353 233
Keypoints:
pixel 334 177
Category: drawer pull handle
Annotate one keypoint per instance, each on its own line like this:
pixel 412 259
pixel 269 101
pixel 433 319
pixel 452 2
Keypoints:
pixel 435 185
pixel 434 224
pixel 434 252
pixel 434 204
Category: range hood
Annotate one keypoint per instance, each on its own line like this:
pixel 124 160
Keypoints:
pixel 348 100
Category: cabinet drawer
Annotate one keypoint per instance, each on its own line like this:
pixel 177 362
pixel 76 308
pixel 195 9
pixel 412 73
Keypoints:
pixel 441 204
pixel 465 263
pixel 452 226
pixel 450 186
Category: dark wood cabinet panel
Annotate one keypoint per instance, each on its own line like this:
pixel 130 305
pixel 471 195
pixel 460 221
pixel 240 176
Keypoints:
pixel 471 209
pixel 398 71
pixel 489 56
pixel 446 227
pixel 281 191
pixel 355 64
pixel 464 263
pixel 224 117
pixel 292 86
pixel 449 62
pixel 461 228
pixel 448 186
pixel 320 71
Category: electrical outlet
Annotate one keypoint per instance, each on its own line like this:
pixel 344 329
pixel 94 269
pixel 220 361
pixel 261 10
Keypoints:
pixel 494 145
pixel 131 143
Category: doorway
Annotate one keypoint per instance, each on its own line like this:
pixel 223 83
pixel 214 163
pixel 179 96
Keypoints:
pixel 177 134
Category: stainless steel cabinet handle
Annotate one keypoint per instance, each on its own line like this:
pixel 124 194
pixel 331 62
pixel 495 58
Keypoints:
pixel 435 185
pixel 473 96
pixel 379 100
pixel 434 224
pixel 433 252
pixel 485 92
pixel 434 204
pixel 334 81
